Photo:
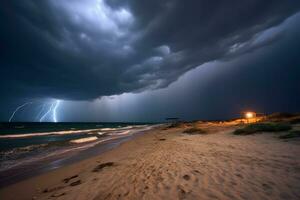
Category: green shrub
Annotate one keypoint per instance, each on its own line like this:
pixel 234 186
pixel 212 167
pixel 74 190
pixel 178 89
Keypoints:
pixel 194 130
pixel 281 115
pixel 173 125
pixel 262 127
pixel 291 134
pixel 295 120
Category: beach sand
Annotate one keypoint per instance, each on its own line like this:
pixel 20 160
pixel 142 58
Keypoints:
pixel 169 164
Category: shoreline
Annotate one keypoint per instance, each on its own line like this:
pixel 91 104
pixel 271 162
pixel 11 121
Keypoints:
pixel 170 164
pixel 45 165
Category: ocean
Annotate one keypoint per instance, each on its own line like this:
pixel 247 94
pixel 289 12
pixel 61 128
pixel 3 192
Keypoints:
pixel 39 145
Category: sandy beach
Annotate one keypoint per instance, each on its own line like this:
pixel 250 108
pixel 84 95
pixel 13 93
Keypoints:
pixel 169 164
pixel 150 100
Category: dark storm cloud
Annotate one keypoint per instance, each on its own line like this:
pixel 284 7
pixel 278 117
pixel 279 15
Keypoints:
pixel 266 80
pixel 87 49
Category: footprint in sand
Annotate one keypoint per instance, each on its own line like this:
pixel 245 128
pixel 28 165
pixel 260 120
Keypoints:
pixel 197 171
pixel 103 165
pixel 266 186
pixel 53 189
pixel 186 177
pixel 181 192
pixel 58 195
pixel 239 175
pixel 75 183
pixel 66 180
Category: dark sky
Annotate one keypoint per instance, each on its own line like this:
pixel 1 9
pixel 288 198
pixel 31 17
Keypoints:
pixel 141 60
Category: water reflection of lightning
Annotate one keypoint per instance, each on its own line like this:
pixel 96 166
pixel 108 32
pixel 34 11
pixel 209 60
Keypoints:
pixel 18 108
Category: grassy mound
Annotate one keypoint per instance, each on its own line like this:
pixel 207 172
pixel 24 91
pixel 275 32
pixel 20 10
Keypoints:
pixel 262 127
pixel 178 125
pixel 295 120
pixel 281 116
pixel 291 134
pixel 174 125
pixel 194 130
pixel 292 118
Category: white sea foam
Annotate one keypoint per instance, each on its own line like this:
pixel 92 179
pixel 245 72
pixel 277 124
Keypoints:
pixel 47 133
pixel 108 129
pixel 72 131
pixel 121 128
pixel 14 163
pixel 83 140
pixel 120 133
pixel 11 164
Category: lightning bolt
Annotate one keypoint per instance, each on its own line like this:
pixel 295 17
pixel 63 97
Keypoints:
pixel 54 110
pixel 45 115
pixel 41 111
pixel 17 109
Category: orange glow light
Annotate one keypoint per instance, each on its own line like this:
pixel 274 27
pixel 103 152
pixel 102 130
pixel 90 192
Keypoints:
pixel 249 115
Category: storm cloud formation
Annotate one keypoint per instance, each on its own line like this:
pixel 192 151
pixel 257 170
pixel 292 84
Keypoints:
pixel 265 79
pixel 82 50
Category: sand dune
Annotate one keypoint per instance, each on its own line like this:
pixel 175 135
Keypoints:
pixel 167 164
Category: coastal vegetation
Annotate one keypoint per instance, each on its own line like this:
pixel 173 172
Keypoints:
pixel 291 134
pixel 263 127
pixel 194 130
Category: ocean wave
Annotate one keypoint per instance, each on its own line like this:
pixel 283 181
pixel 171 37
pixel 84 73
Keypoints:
pixel 34 153
pixel 83 140
pixel 48 133
pixel 72 131
pixel 15 156
pixel 123 128
pixel 20 150
pixel 108 129
pixel 120 133
pixel 16 159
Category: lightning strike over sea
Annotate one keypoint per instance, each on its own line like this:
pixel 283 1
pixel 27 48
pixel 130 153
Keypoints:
pixel 55 109
pixel 41 111
pixel 17 109
pixel 45 115
pixel 52 109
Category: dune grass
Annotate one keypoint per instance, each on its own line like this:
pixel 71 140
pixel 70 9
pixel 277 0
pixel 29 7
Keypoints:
pixel 174 125
pixel 262 127
pixel 292 118
pixel 194 130
pixel 295 120
pixel 291 134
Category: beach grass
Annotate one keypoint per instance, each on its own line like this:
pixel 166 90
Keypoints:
pixel 295 120
pixel 291 134
pixel 262 127
pixel 194 130
pixel 292 118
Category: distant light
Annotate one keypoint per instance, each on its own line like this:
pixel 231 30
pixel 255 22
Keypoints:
pixel 249 115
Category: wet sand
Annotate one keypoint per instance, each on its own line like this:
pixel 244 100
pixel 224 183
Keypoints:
pixel 169 164
pixel 65 157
